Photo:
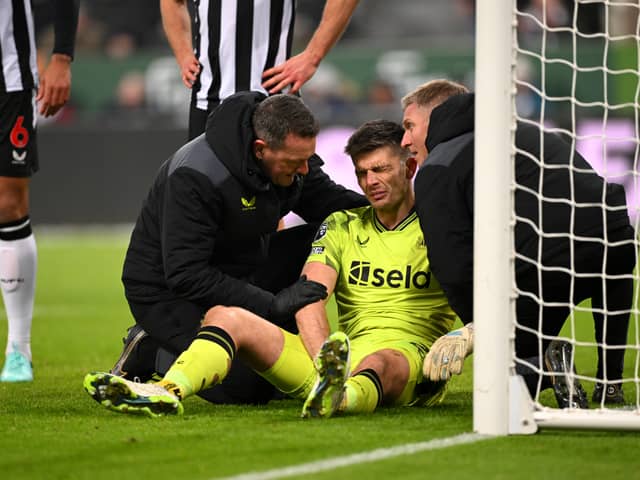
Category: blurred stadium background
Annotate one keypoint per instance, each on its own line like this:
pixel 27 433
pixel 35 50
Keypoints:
pixel 128 110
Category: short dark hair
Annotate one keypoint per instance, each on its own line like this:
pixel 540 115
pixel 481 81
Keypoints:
pixel 373 135
pixel 279 115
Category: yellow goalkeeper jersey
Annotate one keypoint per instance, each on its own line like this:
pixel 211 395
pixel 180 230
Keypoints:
pixel 384 286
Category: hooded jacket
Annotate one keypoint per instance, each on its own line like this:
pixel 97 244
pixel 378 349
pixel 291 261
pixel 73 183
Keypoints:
pixel 444 199
pixel 205 224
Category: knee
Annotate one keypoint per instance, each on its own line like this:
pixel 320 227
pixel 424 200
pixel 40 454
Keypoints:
pixel 225 317
pixel 12 209
pixel 392 369
pixel 373 362
pixel 217 315
pixel 14 200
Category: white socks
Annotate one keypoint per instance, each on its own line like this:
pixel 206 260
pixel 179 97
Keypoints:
pixel 18 264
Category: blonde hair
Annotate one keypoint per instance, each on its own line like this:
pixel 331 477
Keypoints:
pixel 433 93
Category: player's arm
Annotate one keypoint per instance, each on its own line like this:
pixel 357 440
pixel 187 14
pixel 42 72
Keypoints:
pixel 312 320
pixel 177 26
pixel 300 68
pixel 55 80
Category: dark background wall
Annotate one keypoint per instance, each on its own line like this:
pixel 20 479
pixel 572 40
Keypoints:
pixel 97 176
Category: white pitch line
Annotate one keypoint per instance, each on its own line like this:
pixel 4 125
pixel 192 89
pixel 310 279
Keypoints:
pixel 358 458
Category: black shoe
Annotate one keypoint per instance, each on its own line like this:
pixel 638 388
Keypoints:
pixel 568 390
pixel 430 393
pixel 613 395
pixel 135 362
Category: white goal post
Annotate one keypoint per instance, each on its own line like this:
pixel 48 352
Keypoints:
pixel 501 402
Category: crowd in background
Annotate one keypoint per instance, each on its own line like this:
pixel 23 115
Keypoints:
pixel 119 32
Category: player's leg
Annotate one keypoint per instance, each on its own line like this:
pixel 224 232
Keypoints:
pixel 124 396
pixel 287 252
pixel 389 372
pixel 18 254
pixel 333 366
pixel 226 331
pixel 170 325
pixel 379 378
pixel 168 328
pixel 294 372
pixel 611 328
pixel 208 360
pixel 542 363
pixel 205 362
pixel 384 373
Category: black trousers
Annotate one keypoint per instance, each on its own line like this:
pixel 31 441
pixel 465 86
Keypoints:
pixel 611 298
pixel 172 325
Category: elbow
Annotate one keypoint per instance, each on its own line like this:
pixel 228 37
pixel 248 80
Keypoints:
pixel 179 283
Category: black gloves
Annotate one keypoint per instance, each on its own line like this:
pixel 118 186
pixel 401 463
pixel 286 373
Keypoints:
pixel 291 299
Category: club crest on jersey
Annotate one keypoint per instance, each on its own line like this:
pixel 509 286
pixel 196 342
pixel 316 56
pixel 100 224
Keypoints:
pixel 248 204
pixel 322 231
pixel 19 158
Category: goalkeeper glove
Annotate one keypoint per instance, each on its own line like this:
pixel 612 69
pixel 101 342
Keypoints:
pixel 447 354
pixel 291 299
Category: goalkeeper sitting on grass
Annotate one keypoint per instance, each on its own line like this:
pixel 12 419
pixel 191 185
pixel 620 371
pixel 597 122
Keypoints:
pixel 390 310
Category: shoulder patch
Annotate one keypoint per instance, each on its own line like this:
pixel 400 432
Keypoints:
pixel 322 231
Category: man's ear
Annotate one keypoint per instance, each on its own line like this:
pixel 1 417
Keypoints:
pixel 258 146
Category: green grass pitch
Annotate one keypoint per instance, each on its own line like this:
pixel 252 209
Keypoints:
pixel 51 429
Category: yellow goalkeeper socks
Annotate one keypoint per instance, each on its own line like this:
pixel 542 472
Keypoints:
pixel 363 393
pixel 293 372
pixel 206 362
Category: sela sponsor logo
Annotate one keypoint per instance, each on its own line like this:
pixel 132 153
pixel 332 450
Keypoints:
pixel 364 274
pixel 248 204
pixel 317 250
pixel 19 158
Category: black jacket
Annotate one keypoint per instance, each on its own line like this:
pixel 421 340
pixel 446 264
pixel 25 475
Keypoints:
pixel 204 227
pixel 444 199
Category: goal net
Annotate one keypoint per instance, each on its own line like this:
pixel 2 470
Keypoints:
pixel 569 69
